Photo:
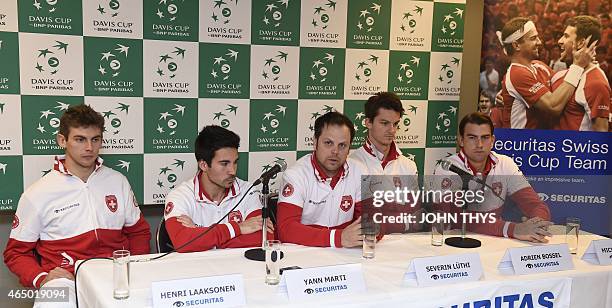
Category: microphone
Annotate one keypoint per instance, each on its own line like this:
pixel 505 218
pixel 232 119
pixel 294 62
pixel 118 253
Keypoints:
pixel 280 166
pixel 448 166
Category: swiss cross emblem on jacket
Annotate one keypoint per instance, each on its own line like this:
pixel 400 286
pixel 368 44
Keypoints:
pixel 111 203
pixel 346 203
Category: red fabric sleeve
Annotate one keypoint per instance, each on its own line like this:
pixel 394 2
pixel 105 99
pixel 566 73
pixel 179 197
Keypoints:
pixel 526 84
pixel 598 96
pixel 528 201
pixel 291 229
pixel 139 236
pixel 180 235
pixel 20 259
pixel 247 240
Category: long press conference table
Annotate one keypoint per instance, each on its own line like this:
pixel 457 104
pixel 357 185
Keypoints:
pixel 591 285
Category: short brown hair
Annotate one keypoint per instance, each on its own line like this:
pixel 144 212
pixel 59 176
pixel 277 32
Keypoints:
pixel 477 118
pixel 585 26
pixel 510 27
pixel 386 100
pixel 333 118
pixel 80 116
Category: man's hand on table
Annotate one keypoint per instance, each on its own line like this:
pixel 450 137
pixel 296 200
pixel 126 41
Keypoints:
pixel 533 230
pixel 56 273
pixel 352 235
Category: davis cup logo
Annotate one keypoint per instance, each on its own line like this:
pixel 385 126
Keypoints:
pixel 316 114
pixel 346 203
pixel 115 118
pixel 405 122
pixel 273 15
pixel 48 59
pixel 167 123
pixel 408 22
pixel 110 8
pixel 168 10
pixel 235 216
pixel 364 68
pixel 406 70
pixel 367 17
pixel 222 119
pixel 222 12
pixel 49 121
pixel 111 203
pixel 167 177
pixel 359 123
pixel 450 25
pixel 272 66
pixel 167 65
pixel 446 71
pixel 444 120
pixel 319 70
pixel 46 5
pixel 110 62
pixel 222 67
pixel 271 120
pixel 321 16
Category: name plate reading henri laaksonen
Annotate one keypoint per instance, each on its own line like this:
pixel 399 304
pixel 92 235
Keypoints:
pixel 218 291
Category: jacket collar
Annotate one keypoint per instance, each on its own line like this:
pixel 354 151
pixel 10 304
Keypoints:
pixel 202 196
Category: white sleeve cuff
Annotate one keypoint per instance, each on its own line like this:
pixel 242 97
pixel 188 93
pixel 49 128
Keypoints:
pixel 332 238
pixel 231 230
pixel 38 277
pixel 506 227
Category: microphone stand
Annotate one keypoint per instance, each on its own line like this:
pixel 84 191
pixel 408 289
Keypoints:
pixel 463 241
pixel 259 254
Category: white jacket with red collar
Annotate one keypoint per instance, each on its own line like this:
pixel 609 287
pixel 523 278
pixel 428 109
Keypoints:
pixel 313 209
pixel 506 179
pixel 65 219
pixel 191 199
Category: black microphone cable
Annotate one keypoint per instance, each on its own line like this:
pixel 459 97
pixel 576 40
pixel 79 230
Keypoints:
pixel 165 254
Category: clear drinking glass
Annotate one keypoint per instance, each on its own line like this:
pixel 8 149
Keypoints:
pixel 121 274
pixel 369 246
pixel 572 232
pixel 273 258
pixel 437 229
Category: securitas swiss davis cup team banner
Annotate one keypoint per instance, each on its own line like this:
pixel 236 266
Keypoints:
pixel 159 70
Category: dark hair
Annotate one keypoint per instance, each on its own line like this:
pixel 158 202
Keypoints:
pixel 212 138
pixel 510 27
pixel 585 26
pixel 386 100
pixel 477 118
pixel 489 59
pixel 80 116
pixel 333 118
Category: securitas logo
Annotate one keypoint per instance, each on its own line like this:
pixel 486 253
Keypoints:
pixel 544 299
pixel 573 198
pixel 311 291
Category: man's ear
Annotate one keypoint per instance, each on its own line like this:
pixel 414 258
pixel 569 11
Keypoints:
pixel 515 46
pixel 368 123
pixel 202 165
pixel 61 140
pixel 460 139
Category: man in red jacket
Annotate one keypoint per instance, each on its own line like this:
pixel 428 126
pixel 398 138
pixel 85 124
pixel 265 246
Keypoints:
pixel 193 206
pixel 81 209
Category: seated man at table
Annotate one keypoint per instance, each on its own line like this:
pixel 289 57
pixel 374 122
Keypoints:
pixel 500 172
pixel 319 204
pixel 80 210
pixel 196 204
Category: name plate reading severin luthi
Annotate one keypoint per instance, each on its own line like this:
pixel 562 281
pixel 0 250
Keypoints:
pixel 323 281
pixel 213 291
pixel 433 271
pixel 536 259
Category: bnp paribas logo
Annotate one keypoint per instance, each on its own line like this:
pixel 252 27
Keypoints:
pixel 224 117
pixel 407 69
pixel 314 115
pixel 321 16
pixel 167 176
pixel 409 23
pixel 222 11
pixel 272 120
pixel 274 66
pixel 109 8
pixel 49 59
pixel 168 65
pixel 49 120
pixel 169 10
pixel 49 6
pixel 222 65
pixel 451 22
pixel 277 161
pixel 169 120
pixel 115 117
pixel 445 120
pixel 447 71
pixel 111 60
pixel 274 13
pixel 365 68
